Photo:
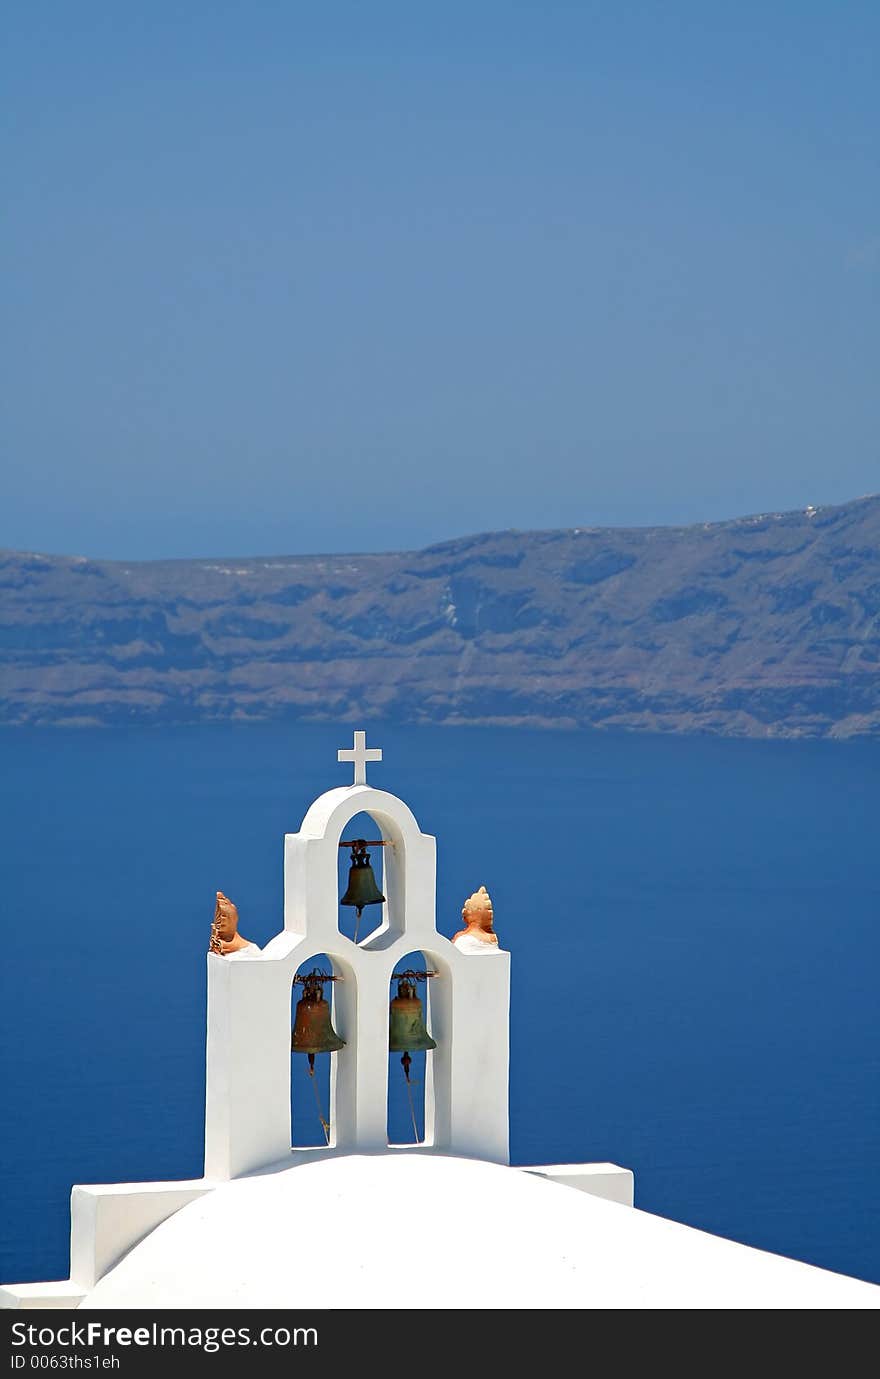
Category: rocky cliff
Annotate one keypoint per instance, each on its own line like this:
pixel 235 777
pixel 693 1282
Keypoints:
pixel 762 626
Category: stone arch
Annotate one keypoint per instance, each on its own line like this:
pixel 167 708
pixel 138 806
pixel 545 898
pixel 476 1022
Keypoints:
pixel 312 1119
pixel 408 1096
pixel 312 859
pixel 373 918
pixel 248 1099
pixel 331 1075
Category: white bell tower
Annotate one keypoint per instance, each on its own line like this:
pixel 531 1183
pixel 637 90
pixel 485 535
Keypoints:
pixel 248 1123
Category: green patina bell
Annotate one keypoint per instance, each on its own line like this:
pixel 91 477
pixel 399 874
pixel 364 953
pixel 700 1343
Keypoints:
pixel 362 888
pixel 406 1027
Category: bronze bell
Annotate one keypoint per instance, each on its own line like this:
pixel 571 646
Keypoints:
pixel 362 888
pixel 312 1029
pixel 406 1026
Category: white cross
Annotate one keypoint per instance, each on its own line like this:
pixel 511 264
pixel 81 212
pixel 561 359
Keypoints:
pixel 360 754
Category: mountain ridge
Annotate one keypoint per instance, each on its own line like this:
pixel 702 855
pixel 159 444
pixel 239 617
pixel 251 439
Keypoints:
pixel 448 542
pixel 764 625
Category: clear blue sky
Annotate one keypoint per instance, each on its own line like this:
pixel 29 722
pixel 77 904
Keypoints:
pixel 288 277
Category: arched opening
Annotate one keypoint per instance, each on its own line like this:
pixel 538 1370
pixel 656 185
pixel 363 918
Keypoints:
pixel 361 878
pixel 410 1045
pixel 314 1044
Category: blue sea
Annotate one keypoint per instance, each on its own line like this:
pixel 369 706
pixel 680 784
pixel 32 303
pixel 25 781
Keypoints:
pixel 703 1009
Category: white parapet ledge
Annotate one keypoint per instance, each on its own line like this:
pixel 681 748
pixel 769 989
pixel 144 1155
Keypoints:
pixel 22 1296
pixel 610 1181
pixel 106 1221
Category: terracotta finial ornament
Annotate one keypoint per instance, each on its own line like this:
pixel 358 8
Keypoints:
pixel 225 938
pixel 477 914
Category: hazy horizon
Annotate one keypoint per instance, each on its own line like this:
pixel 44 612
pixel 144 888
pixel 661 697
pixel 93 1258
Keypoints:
pixel 402 550
pixel 342 279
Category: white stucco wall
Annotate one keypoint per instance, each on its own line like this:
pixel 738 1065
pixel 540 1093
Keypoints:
pixel 248 1054
pixel 610 1181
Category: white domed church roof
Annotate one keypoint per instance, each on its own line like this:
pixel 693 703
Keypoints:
pixel 418 1230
